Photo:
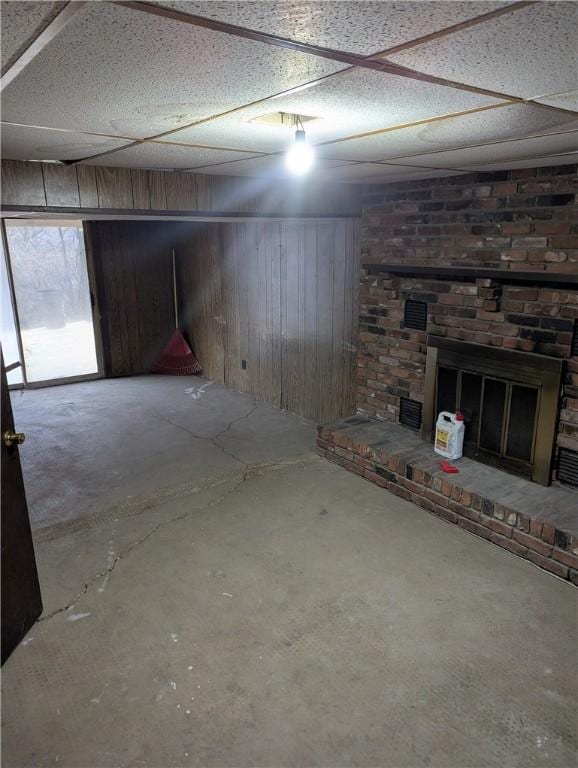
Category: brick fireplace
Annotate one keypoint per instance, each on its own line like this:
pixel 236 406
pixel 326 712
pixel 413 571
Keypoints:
pixel 469 299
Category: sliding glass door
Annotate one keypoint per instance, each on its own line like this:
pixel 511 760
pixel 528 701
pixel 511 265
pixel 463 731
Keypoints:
pixel 47 277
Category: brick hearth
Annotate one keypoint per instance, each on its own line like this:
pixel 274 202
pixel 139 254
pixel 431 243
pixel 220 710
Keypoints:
pixel 534 522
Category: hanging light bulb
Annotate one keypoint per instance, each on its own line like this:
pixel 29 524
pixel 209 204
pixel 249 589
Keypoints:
pixel 299 157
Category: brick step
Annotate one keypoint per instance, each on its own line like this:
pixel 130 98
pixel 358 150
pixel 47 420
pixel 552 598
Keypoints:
pixel 534 522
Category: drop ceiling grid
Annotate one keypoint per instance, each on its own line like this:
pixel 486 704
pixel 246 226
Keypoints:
pixel 21 23
pixel 360 28
pixel 522 149
pixel 362 100
pixel 531 52
pixel 335 100
pixel 124 68
pixel 162 156
pixel 272 166
pixel 564 158
pixel 477 128
pixel 42 144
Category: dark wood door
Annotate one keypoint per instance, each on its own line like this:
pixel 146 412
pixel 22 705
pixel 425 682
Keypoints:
pixel 21 600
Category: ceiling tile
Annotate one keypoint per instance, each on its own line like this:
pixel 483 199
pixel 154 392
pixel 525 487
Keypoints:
pixel 166 156
pixel 354 102
pixel 375 173
pixel 481 127
pixel 568 100
pixel 21 23
pixel 503 153
pixel 264 166
pixel 526 53
pixel 357 27
pixel 24 143
pixel 114 70
pixel 567 158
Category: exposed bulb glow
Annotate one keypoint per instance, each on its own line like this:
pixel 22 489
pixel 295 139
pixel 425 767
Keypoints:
pixel 299 158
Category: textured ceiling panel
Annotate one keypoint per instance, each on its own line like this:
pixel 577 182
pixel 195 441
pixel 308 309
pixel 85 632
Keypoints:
pixel 21 22
pixel 375 173
pixel 152 155
pixel 527 53
pixel 496 153
pixel 114 70
pixel 568 158
pixel 478 128
pixel 357 101
pixel 265 166
pixel 357 27
pixel 568 100
pixel 23 143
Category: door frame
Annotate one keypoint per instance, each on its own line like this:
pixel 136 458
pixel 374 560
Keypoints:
pixel 95 313
pixel 8 263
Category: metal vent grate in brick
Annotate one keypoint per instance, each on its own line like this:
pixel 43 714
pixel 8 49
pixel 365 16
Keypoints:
pixel 415 315
pixel 409 413
pixel 568 466
pixel 574 349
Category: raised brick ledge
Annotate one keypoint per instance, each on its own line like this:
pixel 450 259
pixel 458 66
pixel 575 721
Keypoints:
pixel 534 522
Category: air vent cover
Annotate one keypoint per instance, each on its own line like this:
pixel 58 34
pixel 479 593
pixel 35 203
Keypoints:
pixel 574 349
pixel 415 315
pixel 568 467
pixel 409 413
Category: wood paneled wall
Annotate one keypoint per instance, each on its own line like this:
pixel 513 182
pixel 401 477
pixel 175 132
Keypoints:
pixel 271 309
pixel 133 270
pixel 46 185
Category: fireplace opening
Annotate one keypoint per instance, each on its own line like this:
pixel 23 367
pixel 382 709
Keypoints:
pixel 509 400
pixel 500 416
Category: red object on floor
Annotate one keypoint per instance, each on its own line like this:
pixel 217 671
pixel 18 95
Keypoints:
pixel 445 466
pixel 177 358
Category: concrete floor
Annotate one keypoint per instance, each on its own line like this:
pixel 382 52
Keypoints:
pixel 216 595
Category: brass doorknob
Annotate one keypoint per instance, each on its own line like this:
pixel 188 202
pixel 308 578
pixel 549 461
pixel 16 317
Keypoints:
pixel 13 438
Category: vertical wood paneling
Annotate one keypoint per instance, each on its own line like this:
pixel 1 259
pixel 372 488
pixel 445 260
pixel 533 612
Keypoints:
pixel 61 185
pixel 324 305
pixel 86 182
pixel 310 362
pixel 337 370
pixel 200 278
pixel 181 191
pixel 125 189
pixel 140 188
pixel 157 187
pixel 133 266
pixel 280 296
pixel 22 183
pixel 114 188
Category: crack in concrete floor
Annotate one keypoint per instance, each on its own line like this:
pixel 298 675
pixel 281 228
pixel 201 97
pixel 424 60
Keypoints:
pixel 250 473
pixel 213 439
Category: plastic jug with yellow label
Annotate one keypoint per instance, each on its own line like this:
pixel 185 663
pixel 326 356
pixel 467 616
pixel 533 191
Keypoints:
pixel 449 437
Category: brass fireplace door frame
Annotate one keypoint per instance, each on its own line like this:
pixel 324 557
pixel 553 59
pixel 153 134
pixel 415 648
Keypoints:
pixel 540 371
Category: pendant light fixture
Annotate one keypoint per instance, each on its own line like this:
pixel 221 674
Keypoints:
pixel 299 158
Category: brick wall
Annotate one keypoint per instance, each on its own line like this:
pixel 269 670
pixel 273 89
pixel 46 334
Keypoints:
pixel 517 219
pixel 511 220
